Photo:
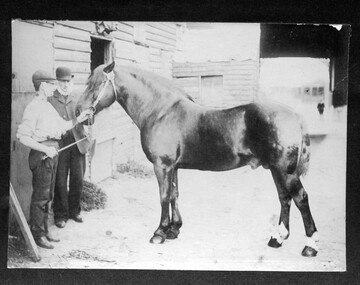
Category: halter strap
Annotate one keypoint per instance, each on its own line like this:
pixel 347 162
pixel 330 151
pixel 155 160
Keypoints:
pixel 110 78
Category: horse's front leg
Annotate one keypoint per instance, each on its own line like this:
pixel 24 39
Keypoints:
pixel 176 221
pixel 164 176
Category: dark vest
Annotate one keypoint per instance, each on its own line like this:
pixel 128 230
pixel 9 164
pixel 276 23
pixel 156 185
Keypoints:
pixel 66 110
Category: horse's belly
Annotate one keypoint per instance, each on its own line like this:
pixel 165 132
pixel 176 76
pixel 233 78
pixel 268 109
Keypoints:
pixel 213 160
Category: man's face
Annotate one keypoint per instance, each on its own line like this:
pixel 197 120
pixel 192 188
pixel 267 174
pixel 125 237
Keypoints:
pixel 47 89
pixel 65 85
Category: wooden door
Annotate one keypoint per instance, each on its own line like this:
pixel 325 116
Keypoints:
pixel 32 49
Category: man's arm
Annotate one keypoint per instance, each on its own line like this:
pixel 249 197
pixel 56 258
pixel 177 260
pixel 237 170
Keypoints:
pixel 28 141
pixel 68 125
pixel 25 132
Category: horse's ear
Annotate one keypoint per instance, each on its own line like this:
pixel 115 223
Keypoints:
pixel 110 67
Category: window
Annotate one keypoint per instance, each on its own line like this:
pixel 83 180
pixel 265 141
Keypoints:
pixel 212 90
pixel 314 91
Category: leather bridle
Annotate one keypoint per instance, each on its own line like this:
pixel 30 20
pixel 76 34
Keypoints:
pixel 110 77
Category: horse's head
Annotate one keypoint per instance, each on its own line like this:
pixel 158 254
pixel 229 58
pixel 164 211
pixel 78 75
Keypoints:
pixel 100 91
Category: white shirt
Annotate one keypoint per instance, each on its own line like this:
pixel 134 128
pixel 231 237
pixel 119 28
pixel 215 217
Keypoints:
pixel 41 121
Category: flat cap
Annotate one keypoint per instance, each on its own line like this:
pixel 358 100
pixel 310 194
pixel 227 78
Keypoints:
pixel 63 73
pixel 42 76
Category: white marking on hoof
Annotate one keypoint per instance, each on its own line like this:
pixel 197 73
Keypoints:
pixel 278 238
pixel 312 241
pixel 281 233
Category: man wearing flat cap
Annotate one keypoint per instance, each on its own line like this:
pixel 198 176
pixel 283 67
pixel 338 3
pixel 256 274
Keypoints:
pixel 41 129
pixel 72 160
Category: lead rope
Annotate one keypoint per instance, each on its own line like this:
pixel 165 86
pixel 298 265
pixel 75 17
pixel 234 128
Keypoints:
pixel 90 122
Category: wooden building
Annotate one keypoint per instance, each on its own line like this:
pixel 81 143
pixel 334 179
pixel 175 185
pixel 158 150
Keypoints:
pixel 82 46
pixel 219 84
pixel 218 64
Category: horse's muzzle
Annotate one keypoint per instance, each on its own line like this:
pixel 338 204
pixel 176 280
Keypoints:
pixel 91 119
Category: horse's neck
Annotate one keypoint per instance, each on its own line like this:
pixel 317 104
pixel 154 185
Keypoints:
pixel 139 104
pixel 144 102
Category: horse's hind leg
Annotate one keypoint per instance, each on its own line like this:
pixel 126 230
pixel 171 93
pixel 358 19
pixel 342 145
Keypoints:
pixel 285 201
pixel 164 176
pixel 291 185
pixel 176 221
pixel 301 200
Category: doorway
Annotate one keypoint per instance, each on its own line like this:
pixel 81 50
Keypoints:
pixel 100 52
pixel 300 82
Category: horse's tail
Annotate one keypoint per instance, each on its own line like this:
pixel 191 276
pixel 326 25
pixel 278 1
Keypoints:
pixel 304 151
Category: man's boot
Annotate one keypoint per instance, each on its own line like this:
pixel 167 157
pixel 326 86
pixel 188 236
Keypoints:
pixel 52 237
pixel 43 242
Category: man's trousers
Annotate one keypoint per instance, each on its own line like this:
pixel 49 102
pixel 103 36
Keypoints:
pixel 71 164
pixel 43 182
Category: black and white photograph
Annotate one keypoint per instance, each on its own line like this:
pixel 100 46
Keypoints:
pixel 195 146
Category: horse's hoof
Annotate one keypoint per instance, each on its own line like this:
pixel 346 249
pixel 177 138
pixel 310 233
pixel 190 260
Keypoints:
pixel 274 243
pixel 171 234
pixel 157 239
pixel 309 251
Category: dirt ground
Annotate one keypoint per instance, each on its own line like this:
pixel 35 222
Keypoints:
pixel 228 218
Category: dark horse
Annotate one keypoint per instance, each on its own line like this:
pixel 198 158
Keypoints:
pixel 178 133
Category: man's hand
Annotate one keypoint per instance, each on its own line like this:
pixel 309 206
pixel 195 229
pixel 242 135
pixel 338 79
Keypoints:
pixel 51 151
pixel 84 116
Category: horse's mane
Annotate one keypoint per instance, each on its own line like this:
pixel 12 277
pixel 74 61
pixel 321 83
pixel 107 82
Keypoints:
pixel 94 80
pixel 152 81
